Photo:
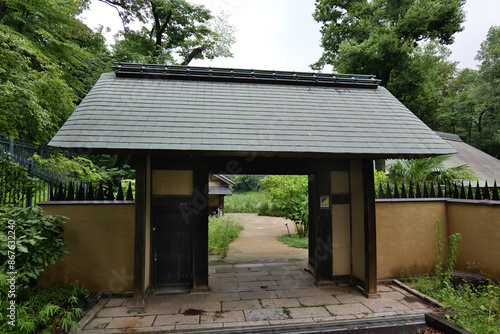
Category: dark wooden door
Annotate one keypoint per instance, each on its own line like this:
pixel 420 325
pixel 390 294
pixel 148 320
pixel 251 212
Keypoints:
pixel 172 247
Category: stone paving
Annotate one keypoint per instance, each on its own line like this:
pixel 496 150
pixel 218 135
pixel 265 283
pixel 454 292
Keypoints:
pixel 250 295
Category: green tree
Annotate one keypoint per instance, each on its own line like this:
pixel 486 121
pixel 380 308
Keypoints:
pixel 488 94
pixel 399 41
pixel 174 31
pixel 290 194
pixel 49 62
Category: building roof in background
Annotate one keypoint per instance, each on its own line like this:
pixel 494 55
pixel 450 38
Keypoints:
pixel 225 179
pixel 486 167
pixel 179 109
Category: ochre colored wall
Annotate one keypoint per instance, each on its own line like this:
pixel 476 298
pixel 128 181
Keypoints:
pixel 479 225
pixel 100 243
pixel 173 182
pixel 405 236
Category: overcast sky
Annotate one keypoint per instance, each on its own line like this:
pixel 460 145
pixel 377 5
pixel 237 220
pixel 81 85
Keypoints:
pixel 282 35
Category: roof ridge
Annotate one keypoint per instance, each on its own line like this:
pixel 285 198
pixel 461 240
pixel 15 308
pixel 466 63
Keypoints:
pixel 231 74
pixel 448 136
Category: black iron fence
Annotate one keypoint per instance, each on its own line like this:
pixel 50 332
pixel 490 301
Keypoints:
pixel 24 182
pixel 433 190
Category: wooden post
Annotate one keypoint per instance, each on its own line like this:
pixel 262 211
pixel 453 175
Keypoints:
pixel 370 228
pixel 323 248
pixel 200 230
pixel 139 296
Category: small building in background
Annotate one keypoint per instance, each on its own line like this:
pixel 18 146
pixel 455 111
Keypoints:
pixel 218 187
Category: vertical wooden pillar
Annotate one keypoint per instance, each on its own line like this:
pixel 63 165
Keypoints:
pixel 322 252
pixel 370 228
pixel 139 295
pixel 200 230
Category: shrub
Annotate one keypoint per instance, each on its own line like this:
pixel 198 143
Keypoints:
pixel 34 238
pixel 221 232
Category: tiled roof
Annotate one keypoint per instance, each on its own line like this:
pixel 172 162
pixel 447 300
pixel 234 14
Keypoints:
pixel 173 109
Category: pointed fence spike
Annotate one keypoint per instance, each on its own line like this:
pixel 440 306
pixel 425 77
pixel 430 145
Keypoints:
pixel 60 194
pixel 380 191
pixel 478 192
pixel 455 191
pixel 51 193
pixel 100 193
pixel 403 191
pixel 80 196
pixel 433 192
pixel 410 193
pixel 388 192
pixel 418 193
pixel 90 193
pixel 130 196
pixel 469 192
pixel 486 192
pixel 495 192
pixel 119 196
pixel 426 193
pixel 396 192
pixel 71 192
pixel 110 196
pixel 440 191
pixel 462 192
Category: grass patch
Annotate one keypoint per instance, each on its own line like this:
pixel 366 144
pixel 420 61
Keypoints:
pixel 294 240
pixel 475 309
pixel 221 232
pixel 250 202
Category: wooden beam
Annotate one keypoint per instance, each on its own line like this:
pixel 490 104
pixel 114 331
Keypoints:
pixel 200 230
pixel 140 165
pixel 322 253
pixel 370 228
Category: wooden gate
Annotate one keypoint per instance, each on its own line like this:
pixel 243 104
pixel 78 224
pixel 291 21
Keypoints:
pixel 172 248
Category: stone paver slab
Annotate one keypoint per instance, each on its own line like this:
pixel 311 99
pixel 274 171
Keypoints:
pixel 257 284
pixel 264 315
pixel 392 295
pixel 348 309
pixel 309 312
pixel 98 323
pixel 223 297
pixel 258 295
pixel 111 312
pixel 170 308
pixel 174 319
pixel 414 303
pixel 280 302
pixel 241 305
pixel 351 298
pixel 294 293
pixel 126 322
pixel 198 327
pixel 246 324
pixel 318 300
pixel 384 305
pixel 206 307
pixel 115 302
pixel 230 316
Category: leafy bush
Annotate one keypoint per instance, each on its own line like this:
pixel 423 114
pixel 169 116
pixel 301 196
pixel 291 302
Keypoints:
pixel 221 232
pixel 41 311
pixel 272 211
pixel 35 239
pixel 15 182
pixel 247 202
pixel 290 194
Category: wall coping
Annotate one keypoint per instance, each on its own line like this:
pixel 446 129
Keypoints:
pixel 86 203
pixel 448 200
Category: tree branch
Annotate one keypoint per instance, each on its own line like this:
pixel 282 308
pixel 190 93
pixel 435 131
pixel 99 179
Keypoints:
pixel 3 9
pixel 193 54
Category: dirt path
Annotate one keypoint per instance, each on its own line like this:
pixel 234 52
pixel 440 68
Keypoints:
pixel 257 242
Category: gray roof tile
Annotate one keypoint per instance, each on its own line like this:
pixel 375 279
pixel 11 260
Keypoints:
pixel 175 114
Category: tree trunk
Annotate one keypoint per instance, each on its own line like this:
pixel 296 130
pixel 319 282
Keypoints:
pixel 3 9
pixel 193 54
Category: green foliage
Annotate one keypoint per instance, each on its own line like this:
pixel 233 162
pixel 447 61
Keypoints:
pixel 294 240
pixel 38 240
pixel 15 182
pixel 179 30
pixel 50 60
pixel 427 170
pixel 247 202
pixel 221 232
pixel 42 310
pixel 452 255
pixel 83 169
pixel 246 182
pixel 290 194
